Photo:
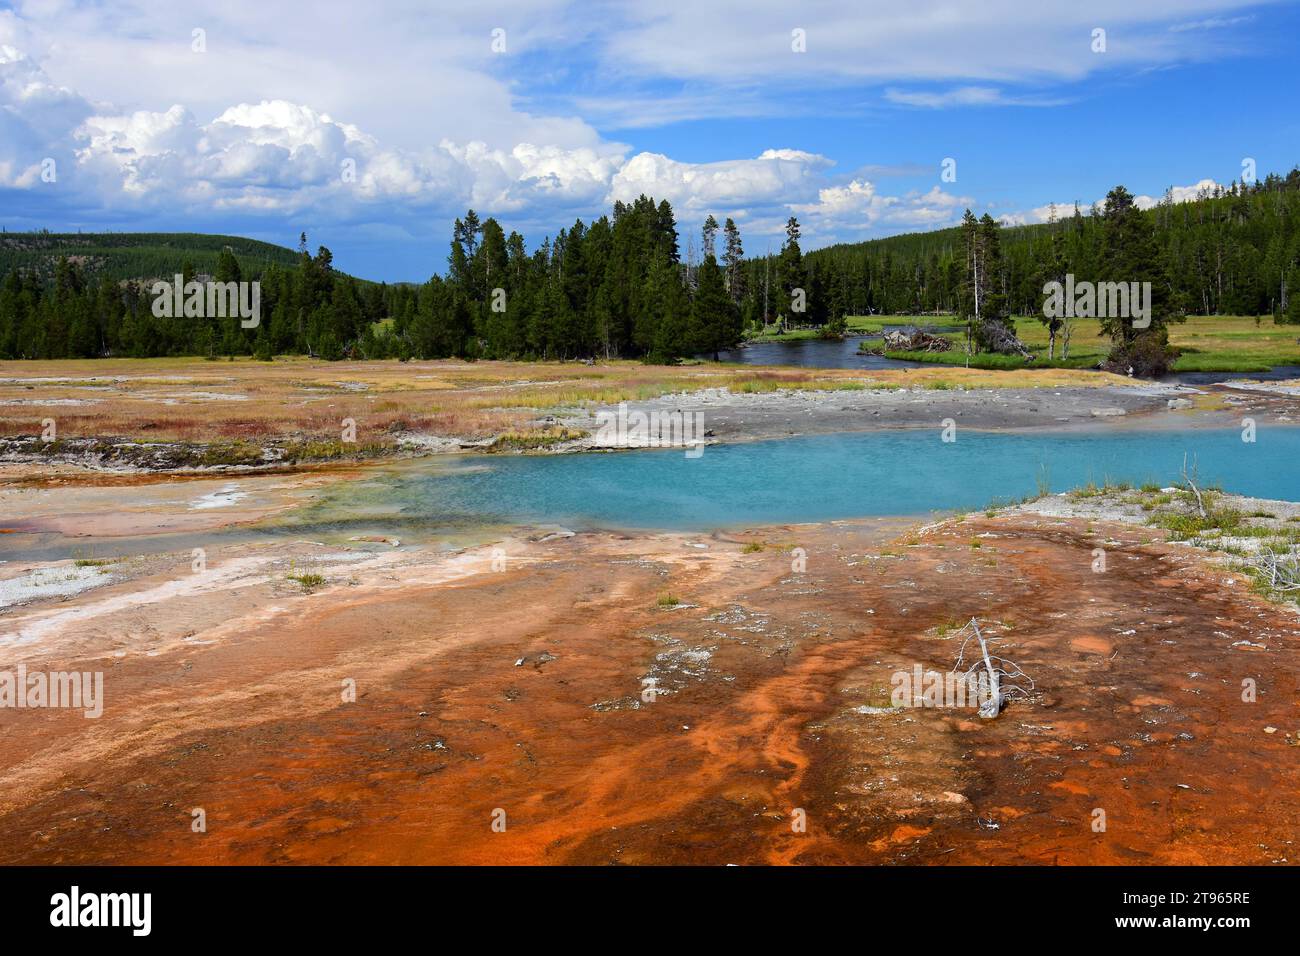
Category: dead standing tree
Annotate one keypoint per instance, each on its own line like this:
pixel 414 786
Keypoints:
pixel 1190 479
pixel 1003 675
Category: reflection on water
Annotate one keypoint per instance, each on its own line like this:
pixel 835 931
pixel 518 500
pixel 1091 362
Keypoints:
pixel 816 353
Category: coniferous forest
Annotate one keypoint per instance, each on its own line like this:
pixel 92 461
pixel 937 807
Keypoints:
pixel 621 286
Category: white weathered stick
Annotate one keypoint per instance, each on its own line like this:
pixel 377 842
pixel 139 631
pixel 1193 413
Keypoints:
pixel 1283 570
pixel 993 706
pixel 1002 673
pixel 1191 483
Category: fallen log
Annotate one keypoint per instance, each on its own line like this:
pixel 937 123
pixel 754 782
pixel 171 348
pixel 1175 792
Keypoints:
pixel 895 340
pixel 997 337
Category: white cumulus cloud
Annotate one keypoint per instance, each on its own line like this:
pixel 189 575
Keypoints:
pixel 775 176
pixel 1062 210
pixel 858 207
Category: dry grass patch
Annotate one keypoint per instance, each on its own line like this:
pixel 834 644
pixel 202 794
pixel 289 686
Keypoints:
pixel 300 401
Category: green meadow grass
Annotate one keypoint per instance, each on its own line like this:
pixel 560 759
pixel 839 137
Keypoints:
pixel 1205 343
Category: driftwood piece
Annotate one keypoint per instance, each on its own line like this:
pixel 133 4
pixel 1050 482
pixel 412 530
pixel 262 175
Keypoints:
pixel 895 340
pixel 1002 673
pixel 1281 570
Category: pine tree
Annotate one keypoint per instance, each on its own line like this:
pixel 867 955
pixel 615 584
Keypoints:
pixel 709 237
pixel 792 276
pixel 667 313
pixel 664 231
pixel 715 320
pixel 733 256
pixel 974 279
pixel 1130 255
pixel 995 306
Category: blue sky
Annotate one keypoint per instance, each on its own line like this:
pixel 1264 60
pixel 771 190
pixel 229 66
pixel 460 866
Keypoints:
pixel 372 126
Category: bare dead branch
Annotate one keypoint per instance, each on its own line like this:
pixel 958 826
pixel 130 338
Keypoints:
pixel 1282 570
pixel 1002 673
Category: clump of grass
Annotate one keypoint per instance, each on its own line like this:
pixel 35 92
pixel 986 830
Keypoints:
pixel 307 581
pixel 535 439
pixel 87 559
pixel 1254 531
pixel 1044 480
pixel 331 450
pixel 752 547
pixel 944 628
pixel 976 543
pixel 1107 487
pixel 668 600
pixel 228 453
pixel 1090 490
pixel 1183 526
pixel 756 386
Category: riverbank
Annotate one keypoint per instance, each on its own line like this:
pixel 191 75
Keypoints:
pixel 190 416
pixel 731 416
pixel 379 702
pixel 1202 343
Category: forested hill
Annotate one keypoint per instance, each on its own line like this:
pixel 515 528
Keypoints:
pixel 620 286
pixel 1230 252
pixel 135 255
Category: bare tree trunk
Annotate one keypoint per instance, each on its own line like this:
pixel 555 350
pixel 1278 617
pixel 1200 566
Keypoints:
pixel 1191 483
pixel 993 706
